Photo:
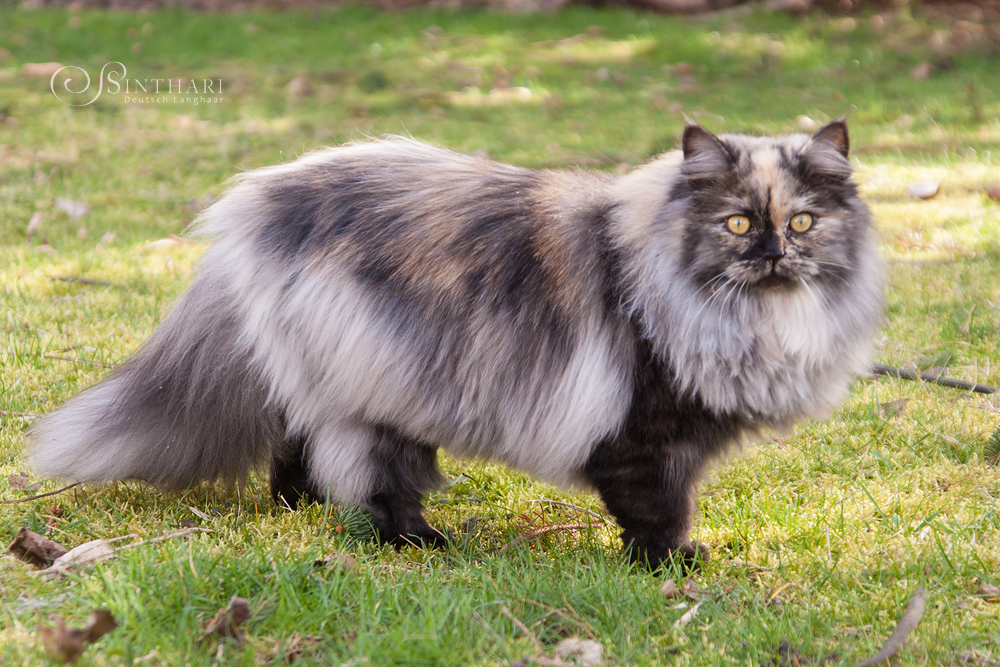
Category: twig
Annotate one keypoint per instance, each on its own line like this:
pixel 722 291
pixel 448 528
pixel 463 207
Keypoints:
pixel 881 369
pixel 161 538
pixel 87 281
pixel 40 495
pixel 914 612
pixel 75 361
pixel 523 628
pixel 22 416
pixel 538 532
pixel 572 506
pixel 11 413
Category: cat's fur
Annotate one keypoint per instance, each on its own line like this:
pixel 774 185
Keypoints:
pixel 364 305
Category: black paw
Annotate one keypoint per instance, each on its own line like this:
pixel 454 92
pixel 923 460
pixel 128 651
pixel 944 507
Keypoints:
pixel 429 538
pixel 690 557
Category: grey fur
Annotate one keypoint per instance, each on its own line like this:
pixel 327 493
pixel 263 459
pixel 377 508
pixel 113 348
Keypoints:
pixel 374 301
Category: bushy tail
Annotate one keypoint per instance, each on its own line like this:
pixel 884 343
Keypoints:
pixel 189 406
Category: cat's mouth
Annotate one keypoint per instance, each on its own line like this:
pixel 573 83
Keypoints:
pixel 765 274
pixel 775 280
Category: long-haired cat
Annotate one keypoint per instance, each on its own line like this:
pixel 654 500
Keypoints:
pixel 365 305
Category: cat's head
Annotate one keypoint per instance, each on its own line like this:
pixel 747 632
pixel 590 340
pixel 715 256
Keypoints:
pixel 769 213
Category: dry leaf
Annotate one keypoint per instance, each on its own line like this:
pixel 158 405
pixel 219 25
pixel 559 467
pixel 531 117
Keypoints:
pixel 32 548
pixel 669 590
pixel 40 70
pixel 65 644
pixel 82 556
pixel 893 408
pixel 924 189
pixel 226 622
pixel 72 208
pixel 990 591
pixel 18 481
pixel 688 615
pixel 300 86
pixel 691 590
pixel 922 71
pixel 35 223
pixel 339 561
pixel 587 653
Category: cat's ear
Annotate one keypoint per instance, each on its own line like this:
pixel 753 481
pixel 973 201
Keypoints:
pixel 705 157
pixel 826 151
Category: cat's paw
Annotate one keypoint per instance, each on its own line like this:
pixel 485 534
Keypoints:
pixel 695 554
pixel 690 557
pixel 431 538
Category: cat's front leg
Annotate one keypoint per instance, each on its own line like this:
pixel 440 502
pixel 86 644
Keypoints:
pixel 651 489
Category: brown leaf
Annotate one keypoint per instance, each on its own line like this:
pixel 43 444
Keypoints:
pixel 300 86
pixel 35 223
pixel 990 591
pixel 32 548
pixel 65 644
pixel 691 590
pixel 80 556
pixel 893 408
pixel 669 590
pixel 994 193
pixel 922 71
pixel 788 656
pixel 100 623
pixel 339 561
pixel 585 652
pixel 18 481
pixel 226 622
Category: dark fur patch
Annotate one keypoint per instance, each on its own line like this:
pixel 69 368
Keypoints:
pixel 647 476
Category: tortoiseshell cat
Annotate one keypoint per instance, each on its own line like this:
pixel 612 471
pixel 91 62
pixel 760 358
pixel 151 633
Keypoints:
pixel 365 305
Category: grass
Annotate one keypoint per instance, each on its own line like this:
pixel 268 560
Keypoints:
pixel 820 536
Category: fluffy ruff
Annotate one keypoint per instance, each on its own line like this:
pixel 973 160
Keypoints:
pixel 365 305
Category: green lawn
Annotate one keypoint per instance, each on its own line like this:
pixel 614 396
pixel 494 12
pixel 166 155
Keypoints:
pixel 820 536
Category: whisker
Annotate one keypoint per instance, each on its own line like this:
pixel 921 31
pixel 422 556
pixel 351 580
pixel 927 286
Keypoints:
pixel 725 301
pixel 713 280
pixel 705 305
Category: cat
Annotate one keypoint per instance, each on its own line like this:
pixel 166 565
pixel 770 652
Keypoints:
pixel 364 305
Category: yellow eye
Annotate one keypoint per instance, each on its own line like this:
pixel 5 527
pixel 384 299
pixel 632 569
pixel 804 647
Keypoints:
pixel 738 224
pixel 801 222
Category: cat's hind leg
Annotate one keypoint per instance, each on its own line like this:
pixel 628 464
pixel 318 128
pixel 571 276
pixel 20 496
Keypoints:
pixel 377 468
pixel 406 470
pixel 290 482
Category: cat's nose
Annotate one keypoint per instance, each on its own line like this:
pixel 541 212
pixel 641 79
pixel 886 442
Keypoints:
pixel 772 250
pixel 774 255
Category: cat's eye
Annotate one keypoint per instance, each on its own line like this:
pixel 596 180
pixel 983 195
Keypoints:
pixel 738 224
pixel 800 222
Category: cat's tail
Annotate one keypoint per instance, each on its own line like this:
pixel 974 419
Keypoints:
pixel 189 406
